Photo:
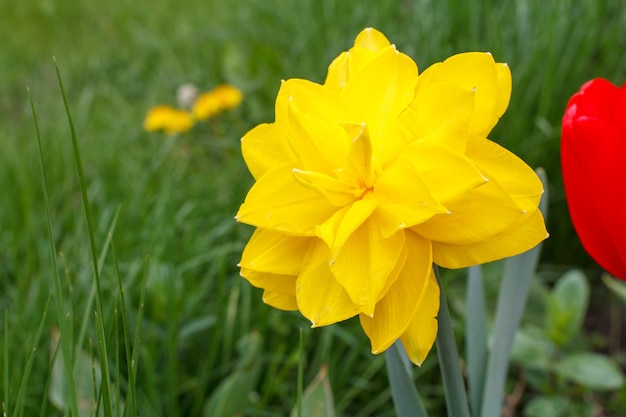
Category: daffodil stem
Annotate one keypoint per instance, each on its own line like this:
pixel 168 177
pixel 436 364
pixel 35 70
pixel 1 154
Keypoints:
pixel 449 362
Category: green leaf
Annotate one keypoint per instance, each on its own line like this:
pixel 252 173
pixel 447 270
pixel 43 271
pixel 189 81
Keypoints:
pixel 567 306
pixel 591 370
pixel 317 400
pixel 449 362
pixel 617 286
pixel 232 396
pixel 556 406
pixel 406 401
pixel 476 338
pixel 532 349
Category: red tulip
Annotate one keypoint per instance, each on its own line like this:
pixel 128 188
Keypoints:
pixel 593 158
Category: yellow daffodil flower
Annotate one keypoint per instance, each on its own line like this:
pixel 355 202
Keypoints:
pixel 169 119
pixel 365 181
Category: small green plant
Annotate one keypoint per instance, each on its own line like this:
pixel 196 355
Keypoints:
pixel 557 365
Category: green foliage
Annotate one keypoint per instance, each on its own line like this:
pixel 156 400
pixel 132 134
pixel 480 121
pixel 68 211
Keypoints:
pixel 233 394
pixel 407 401
pixel 566 307
pixel 555 359
pixel 166 204
pixel 317 399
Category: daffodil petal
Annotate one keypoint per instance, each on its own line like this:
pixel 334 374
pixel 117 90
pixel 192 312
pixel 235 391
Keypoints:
pixel 505 85
pixel 395 273
pixel 512 174
pixel 312 99
pixel 521 237
pixel 280 301
pixel 482 214
pixel 319 145
pixel 278 202
pixel 475 71
pixel 337 192
pixel 371 39
pixel 364 264
pixel 359 157
pixel 265 147
pixel 395 311
pixel 284 284
pixel 366 46
pixel 337 75
pixel 268 251
pixel 336 230
pixel 448 174
pixel 404 200
pixel 380 92
pixel 421 333
pixel 321 298
pixel 441 113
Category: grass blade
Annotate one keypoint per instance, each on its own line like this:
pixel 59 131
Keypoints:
pixel 476 338
pixel 449 362
pixel 518 273
pixel 92 293
pixel 64 319
pixel 132 376
pixel 406 400
pixel 132 401
pixel 29 364
pixel 5 364
pixel 300 374
pixel 106 393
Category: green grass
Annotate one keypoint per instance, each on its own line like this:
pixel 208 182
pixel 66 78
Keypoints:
pixel 168 203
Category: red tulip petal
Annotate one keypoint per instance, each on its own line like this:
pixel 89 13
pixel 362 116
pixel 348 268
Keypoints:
pixel 619 117
pixel 594 175
pixel 596 98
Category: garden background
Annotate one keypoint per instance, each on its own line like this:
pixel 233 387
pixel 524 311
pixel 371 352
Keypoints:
pixel 167 202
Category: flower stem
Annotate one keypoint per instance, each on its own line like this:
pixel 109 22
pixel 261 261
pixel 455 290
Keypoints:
pixel 449 362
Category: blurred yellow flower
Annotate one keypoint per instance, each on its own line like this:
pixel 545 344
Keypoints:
pixel 364 182
pixel 223 97
pixel 167 118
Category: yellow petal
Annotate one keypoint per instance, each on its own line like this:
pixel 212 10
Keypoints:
pixel 422 331
pixel 338 193
pixel 336 230
pixel 268 251
pixel 365 263
pixel 514 175
pixel 483 213
pixel 319 145
pixel 379 93
pixel 338 72
pixel 404 199
pixel 312 99
pixel 359 158
pixel 523 236
pixel 371 39
pixel 441 113
pixel 169 119
pixel 474 71
pixel 320 297
pixel 278 202
pixel 265 147
pixel 395 311
pixel 343 68
pixel 505 85
pixel 448 174
pixel 284 284
pixel 280 301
